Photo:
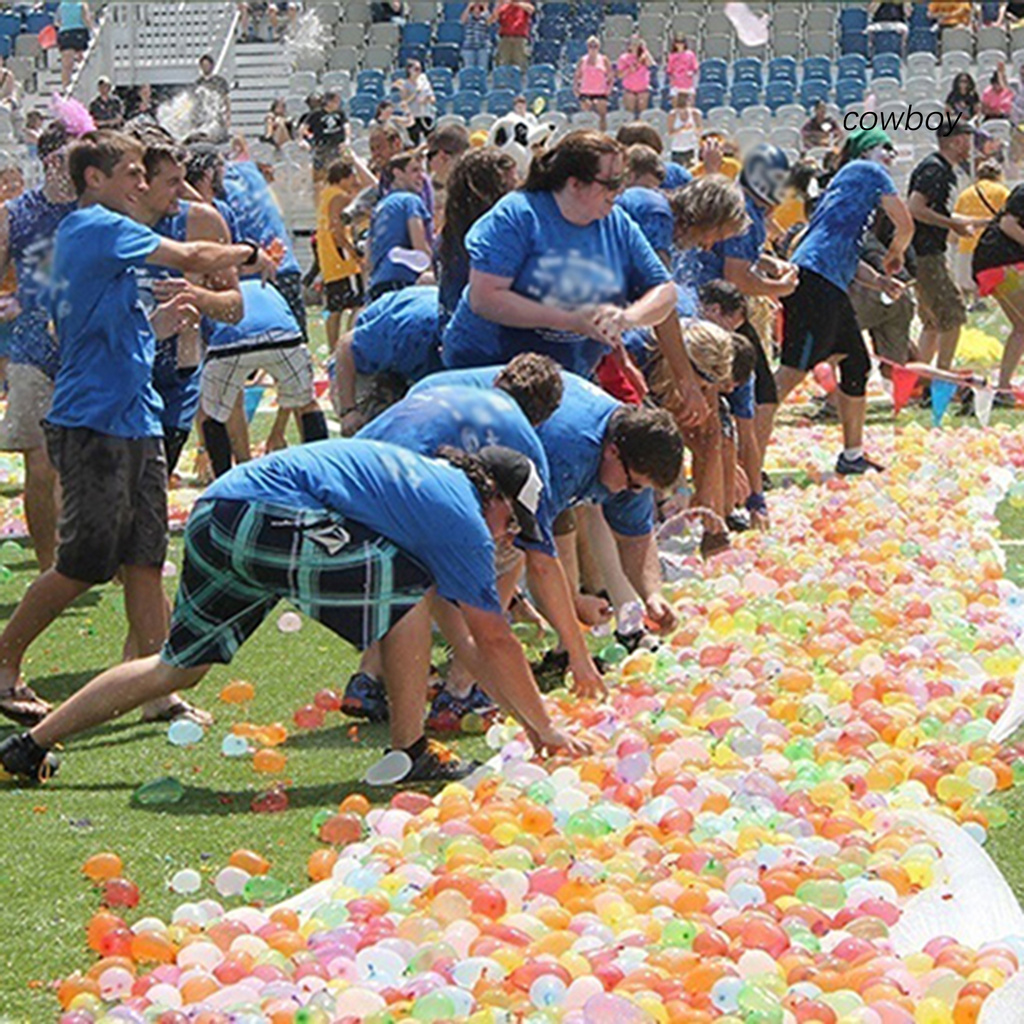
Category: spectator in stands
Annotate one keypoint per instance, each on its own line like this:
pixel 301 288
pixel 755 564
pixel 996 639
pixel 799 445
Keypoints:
pixel 419 101
pixel 950 14
pixel 681 65
pixel 984 198
pixel 277 129
pixel 9 88
pixel 141 106
pixel 997 99
pixel 212 113
pixel 820 130
pixel 889 17
pixel 684 128
pixel 1011 13
pixel 963 97
pixel 476 36
pixel 513 18
pixel 593 81
pixel 106 109
pixel 326 129
pixel 253 11
pixel 388 10
pixel 634 67
pixel 74 25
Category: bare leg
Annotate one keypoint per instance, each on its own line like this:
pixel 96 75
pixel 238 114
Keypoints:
pixel 405 653
pixel 1013 306
pixel 606 554
pixel 276 439
pixel 948 341
pixel 44 600
pixel 927 344
pixel 41 490
pixel 113 693
pixel 786 379
pixel 852 413
pixel 764 421
pixel 238 431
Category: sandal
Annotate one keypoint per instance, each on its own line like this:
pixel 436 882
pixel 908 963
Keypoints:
pixel 24 706
pixel 180 709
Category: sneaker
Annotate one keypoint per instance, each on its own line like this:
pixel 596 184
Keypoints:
pixel 856 467
pixel 23 758
pixel 825 412
pixel 738 520
pixel 1004 400
pixel 447 710
pixel 365 697
pixel 438 764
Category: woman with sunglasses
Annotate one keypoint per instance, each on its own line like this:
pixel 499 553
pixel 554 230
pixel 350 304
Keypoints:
pixel 594 80
pixel 557 268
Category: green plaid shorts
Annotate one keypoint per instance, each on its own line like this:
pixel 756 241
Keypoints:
pixel 242 557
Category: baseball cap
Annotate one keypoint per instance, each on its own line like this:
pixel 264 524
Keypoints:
pixel 518 480
pixel 960 127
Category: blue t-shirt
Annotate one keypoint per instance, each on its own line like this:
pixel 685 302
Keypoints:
pixel 70 16
pixel 653 216
pixel 741 400
pixel 710 263
pixel 452 278
pixel 573 440
pixel 105 381
pixel 676 176
pixel 389 229
pixel 32 225
pixel 525 238
pixel 267 320
pixel 256 212
pixel 469 418
pixel 424 506
pixel 397 333
pixel 831 245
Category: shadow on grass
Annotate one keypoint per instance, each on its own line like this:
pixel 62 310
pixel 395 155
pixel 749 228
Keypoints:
pixel 373 735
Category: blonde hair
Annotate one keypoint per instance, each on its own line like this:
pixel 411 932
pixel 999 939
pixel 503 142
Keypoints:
pixel 706 203
pixel 710 348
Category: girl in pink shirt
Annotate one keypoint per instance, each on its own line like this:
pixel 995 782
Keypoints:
pixel 681 65
pixel 593 81
pixel 635 74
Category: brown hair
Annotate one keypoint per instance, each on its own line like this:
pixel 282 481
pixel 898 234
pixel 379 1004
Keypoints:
pixel 102 149
pixel 643 162
pixel 400 161
pixel 706 203
pixel 649 442
pixel 576 155
pixel 535 382
pixel 743 359
pixel 338 171
pixel 640 132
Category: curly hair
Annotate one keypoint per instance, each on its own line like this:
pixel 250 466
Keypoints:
pixel 482 481
pixel 649 443
pixel 535 382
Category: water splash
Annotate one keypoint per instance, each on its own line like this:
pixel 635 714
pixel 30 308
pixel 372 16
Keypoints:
pixel 305 43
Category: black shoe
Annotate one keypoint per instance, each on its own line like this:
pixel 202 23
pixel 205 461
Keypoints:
pixel 766 482
pixel 22 758
pixel 438 764
pixel 1004 400
pixel 856 467
pixel 365 697
pixel 738 520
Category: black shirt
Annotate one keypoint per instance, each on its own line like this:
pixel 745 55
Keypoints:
pixel 935 178
pixel 107 113
pixel 995 248
pixel 326 128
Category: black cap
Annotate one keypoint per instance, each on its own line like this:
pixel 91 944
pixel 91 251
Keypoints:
pixel 518 480
pixel 958 127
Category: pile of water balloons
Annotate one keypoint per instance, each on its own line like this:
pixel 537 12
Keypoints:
pixel 745 843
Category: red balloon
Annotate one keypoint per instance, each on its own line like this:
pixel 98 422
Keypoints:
pixel 120 892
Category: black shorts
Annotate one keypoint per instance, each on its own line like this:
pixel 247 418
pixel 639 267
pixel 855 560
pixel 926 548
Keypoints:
pixel 289 285
pixel 818 323
pixel 383 287
pixel 765 392
pixel 346 293
pixel 242 557
pixel 76 39
pixel 113 501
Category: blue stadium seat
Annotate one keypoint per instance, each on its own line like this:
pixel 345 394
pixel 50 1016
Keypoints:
pixel 453 11
pixel 818 69
pixel 416 33
pixel 886 65
pixel 849 91
pixel 362 107
pixel 586 20
pixel 710 94
pixel 747 69
pixel 743 95
pixel 507 77
pixel 566 101
pixel 547 95
pixel 446 55
pixel 714 70
pixel 499 101
pixel 852 65
pixel 922 40
pixel 551 29
pixel 10 24
pixel 467 103
pixel 813 91
pixel 548 51
pixel 443 82
pixel 618 7
pixel 919 15
pixel 853 19
pixel 854 42
pixel 450 32
pixel 371 82
pixel 36 21
pixel 541 76
pixel 782 69
pixel 886 42
pixel 574 49
pixel 412 51
pixel 779 94
pixel 556 9
pixel 473 79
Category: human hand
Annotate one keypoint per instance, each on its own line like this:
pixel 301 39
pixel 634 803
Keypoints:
pixel 695 407
pixel 893 262
pixel 174 316
pixel 551 741
pixel 660 612
pixel 711 156
pixel 586 679
pixel 893 288
pixel 592 610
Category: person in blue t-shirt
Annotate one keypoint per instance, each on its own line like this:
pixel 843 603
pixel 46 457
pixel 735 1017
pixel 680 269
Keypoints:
pixel 820 323
pixel 400 243
pixel 524 394
pixel 556 268
pixel 28 224
pixel 395 342
pixel 644 201
pixel 103 431
pixel 366 538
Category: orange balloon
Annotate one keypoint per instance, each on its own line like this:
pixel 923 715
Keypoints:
pixel 269 762
pixel 249 860
pixel 198 988
pixel 101 866
pixel 238 691
pixel 75 986
pixel 102 922
pixel 152 947
pixel 356 803
pixel 320 864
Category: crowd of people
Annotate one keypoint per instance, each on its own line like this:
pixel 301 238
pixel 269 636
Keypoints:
pixel 522 354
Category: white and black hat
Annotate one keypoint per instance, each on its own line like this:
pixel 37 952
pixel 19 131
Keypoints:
pixel 518 480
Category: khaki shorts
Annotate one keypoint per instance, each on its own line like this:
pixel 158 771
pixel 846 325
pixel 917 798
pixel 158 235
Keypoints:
pixel 939 302
pixel 29 396
pixel 887 323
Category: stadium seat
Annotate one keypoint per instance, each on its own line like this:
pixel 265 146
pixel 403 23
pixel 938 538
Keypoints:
pixel 450 32
pixel 722 119
pixel 411 51
pixel 385 33
pixel 718 46
pixel 362 107
pixel 782 69
pixel 416 33
pixel 507 77
pixel 343 58
pixel 886 42
pixel 848 91
pixel 852 65
pixel 787 45
pixel 921 64
pixel 549 28
pixel 474 79
pixel 743 95
pixel 422 10
pixel 446 55
pixel 624 7
pixel 714 71
pixel 785 137
pixel 819 44
pixel 747 137
pixel 817 69
pixel 953 62
pixel 791 114
pixel 686 23
pixel 453 11
pixel 574 49
pixel 467 103
pixel 886 89
pixel 566 101
pixel 710 95
pixel 370 81
pixel 853 19
pixel 886 65
pixel 618 25
pixel 499 101
pixel 758 116
pixel 533 95
pixel 854 42
pixel 991 38
pixel 542 76
pixel 922 41
pixel 813 92
pixel 778 94
pixel 36 21
pixel 957 39
pixel 348 34
pixel 549 52
pixel 10 24
pixel 746 69
pixel 919 17
pixel 787 20
pixel 443 82
pixel 651 26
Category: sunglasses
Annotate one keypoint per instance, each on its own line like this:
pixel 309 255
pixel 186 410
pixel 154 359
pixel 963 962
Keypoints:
pixel 632 485
pixel 611 184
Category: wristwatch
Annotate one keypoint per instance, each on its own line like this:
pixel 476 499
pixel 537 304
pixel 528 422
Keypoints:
pixel 254 255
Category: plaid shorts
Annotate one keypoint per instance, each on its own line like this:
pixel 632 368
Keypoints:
pixel 242 557
pixel 225 373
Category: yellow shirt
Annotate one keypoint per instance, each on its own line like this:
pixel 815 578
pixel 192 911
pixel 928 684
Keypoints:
pixel 789 212
pixel 970 204
pixel 334 265
pixel 730 168
pixel 950 13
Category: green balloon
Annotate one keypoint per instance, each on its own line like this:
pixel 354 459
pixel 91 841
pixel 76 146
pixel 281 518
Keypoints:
pixel 167 790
